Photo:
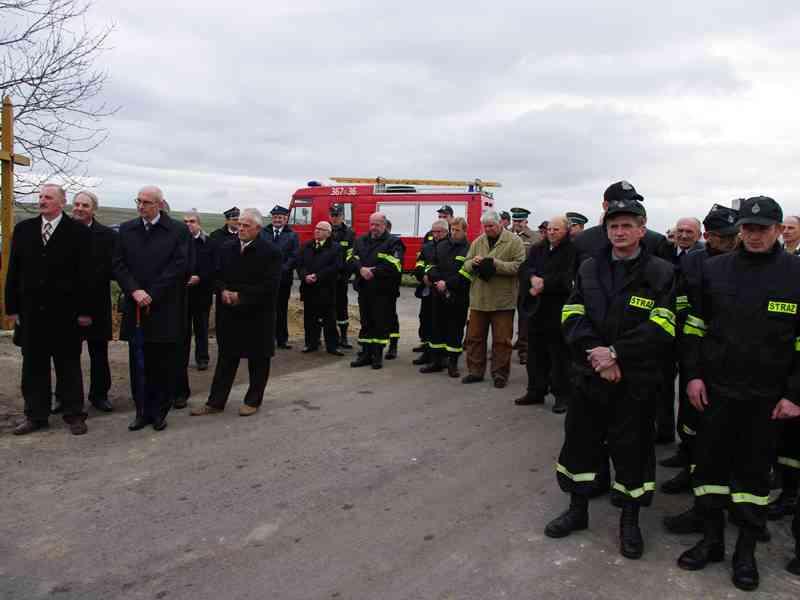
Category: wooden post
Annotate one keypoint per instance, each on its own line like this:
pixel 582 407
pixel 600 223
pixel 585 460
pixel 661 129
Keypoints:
pixel 7 161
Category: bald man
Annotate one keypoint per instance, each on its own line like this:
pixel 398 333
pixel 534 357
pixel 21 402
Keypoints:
pixel 318 268
pixel 150 265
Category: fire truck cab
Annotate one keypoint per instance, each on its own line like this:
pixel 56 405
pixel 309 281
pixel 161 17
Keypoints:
pixel 410 204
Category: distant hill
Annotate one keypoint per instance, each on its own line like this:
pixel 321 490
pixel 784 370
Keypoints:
pixel 112 215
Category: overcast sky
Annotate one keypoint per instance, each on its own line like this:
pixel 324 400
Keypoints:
pixel 242 103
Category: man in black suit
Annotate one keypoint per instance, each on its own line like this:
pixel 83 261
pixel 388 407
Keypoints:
pixel 318 269
pixel 229 231
pixel 280 234
pixel 47 296
pixel 97 335
pixel 150 264
pixel 201 288
pixel 247 277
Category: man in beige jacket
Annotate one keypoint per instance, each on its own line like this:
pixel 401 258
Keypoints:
pixel 492 264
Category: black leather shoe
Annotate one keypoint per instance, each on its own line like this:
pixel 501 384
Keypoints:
pixel 560 407
pixel 680 484
pixel 202 366
pixel 29 426
pixel 745 570
pixel 631 544
pixel 573 519
pixel 794 565
pixel 420 348
pixel 782 507
pixel 684 523
pixel 138 423
pixel 102 404
pixel 160 424
pixel 471 378
pixel 335 352
pixel 703 552
pixel 528 399
pixel 77 425
pixel 180 402
pixel 422 359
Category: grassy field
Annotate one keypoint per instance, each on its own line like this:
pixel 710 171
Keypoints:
pixel 111 215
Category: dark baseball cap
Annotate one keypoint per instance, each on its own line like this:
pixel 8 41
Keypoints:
pixel 447 209
pixel 721 220
pixel 626 206
pixel 622 190
pixel 760 210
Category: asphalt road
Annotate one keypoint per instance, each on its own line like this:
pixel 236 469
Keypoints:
pixel 349 484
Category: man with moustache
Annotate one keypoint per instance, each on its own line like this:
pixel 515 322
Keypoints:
pixel 48 296
pixel 150 265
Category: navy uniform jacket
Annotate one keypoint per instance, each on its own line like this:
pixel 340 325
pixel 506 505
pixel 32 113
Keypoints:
pixel 289 245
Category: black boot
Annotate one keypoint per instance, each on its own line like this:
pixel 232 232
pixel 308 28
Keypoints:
pixel 686 522
pixel 364 357
pixel 343 343
pixel 575 518
pixel 391 353
pixel 680 484
pixel 423 359
pixel 436 365
pixel 631 544
pixel 452 366
pixel 711 548
pixel 377 356
pixel 745 570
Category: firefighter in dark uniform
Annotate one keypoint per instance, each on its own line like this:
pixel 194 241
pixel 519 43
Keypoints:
pixel 449 285
pixel 377 263
pixel 789 458
pixel 619 323
pixel 229 231
pixel 284 237
pixel 424 291
pixel 739 354
pixel 345 237
pixel 721 235
pixel 394 331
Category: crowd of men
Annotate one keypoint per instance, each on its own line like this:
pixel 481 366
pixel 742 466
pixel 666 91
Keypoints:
pixel 607 318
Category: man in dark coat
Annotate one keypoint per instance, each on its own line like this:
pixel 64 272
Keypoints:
pixel 286 240
pixel 546 278
pixel 150 264
pixel 247 279
pixel 318 269
pixel 47 296
pixel 201 289
pixel 345 237
pixel 98 334
pixel 229 231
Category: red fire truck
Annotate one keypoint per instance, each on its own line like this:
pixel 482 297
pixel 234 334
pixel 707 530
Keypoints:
pixel 410 204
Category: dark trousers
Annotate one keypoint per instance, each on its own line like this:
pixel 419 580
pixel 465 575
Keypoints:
pixel 665 411
pixel 342 303
pixel 282 312
pixel 425 318
pixel 318 318
pixel 688 420
pixel 199 325
pixel 734 452
pixel 502 324
pixel 160 362
pixel 99 372
pixel 225 373
pixel 621 416
pixel 36 384
pixel 523 333
pixel 548 363
pixel 377 312
pixel 448 317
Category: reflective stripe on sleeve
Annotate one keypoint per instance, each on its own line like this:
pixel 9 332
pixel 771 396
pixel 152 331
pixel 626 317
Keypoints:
pixel 572 310
pixel 466 274
pixel 460 258
pixel 576 477
pixel 664 318
pixel 349 254
pixel 789 462
pixel 391 260
pixel 682 303
pixel 694 326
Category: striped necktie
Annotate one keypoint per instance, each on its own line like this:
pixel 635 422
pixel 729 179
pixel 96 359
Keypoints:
pixel 47 231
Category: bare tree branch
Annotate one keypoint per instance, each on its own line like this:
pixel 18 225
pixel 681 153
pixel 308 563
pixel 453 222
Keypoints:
pixel 47 58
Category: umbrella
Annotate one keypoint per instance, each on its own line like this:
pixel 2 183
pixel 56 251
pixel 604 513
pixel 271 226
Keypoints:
pixel 137 361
